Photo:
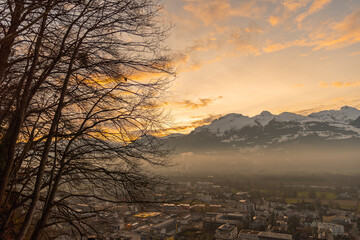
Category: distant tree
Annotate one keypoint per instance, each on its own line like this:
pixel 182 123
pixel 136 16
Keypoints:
pixel 80 86
pixel 272 219
pixel 293 224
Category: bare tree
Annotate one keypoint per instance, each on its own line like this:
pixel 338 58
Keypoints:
pixel 76 122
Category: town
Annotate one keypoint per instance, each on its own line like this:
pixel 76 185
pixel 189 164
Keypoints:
pixel 213 208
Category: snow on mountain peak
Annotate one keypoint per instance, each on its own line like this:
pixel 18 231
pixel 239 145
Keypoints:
pixel 231 121
pixel 228 122
pixel 265 113
pixel 344 115
pixel 289 117
pixel 348 108
pixel 263 118
pixel 230 116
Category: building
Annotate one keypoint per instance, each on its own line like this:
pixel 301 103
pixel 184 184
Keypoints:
pixel 226 232
pixel 246 234
pixel 164 230
pixel 274 236
pixel 246 206
pixel 213 221
pixel 168 227
pixel 336 229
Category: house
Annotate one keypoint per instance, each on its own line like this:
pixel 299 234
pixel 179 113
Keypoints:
pixel 274 236
pixel 226 232
pixel 336 229
pixel 246 234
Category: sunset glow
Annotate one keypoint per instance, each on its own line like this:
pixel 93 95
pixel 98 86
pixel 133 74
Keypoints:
pixel 246 56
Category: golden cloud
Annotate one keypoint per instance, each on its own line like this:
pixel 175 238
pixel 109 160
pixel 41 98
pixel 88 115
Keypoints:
pixel 202 102
pixel 189 60
pixel 316 6
pixel 197 65
pixel 245 40
pixel 273 47
pixel 176 129
pixel 340 34
pixel 273 20
pixel 344 33
pixel 346 84
pixel 204 120
pixel 285 11
pixel 204 44
pixel 312 110
pixel 294 5
pixel 210 11
pixel 339 84
pixel 337 103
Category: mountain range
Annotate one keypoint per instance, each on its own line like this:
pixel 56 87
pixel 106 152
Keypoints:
pixel 235 132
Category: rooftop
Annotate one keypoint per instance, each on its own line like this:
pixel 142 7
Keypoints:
pixel 247 231
pixel 226 228
pixel 275 235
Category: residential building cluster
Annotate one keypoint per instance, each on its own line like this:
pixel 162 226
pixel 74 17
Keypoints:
pixel 210 211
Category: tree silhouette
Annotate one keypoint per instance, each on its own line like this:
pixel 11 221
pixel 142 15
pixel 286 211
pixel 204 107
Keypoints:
pixel 80 85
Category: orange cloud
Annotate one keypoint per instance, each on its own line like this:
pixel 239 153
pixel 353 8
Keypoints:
pixel 338 35
pixel 273 47
pixel 245 40
pixel 285 11
pixel 344 33
pixel 194 124
pixel 253 28
pixel 210 11
pixel 315 109
pixel 293 5
pixel 197 65
pixel 316 6
pixel 176 129
pixel 203 102
pixel 338 84
pixel 204 44
pixel 244 44
pixel 206 120
pixel 273 20
pixel 336 103
pixel 188 59
pixel 346 84
pixel 298 85
pixel 338 99
pixel 183 62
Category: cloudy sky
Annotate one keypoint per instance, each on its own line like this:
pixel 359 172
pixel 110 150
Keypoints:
pixel 246 56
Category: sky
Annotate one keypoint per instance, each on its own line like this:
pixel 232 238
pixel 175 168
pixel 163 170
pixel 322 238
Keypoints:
pixel 247 56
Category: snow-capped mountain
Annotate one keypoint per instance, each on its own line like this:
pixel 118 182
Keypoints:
pixel 344 115
pixel 236 131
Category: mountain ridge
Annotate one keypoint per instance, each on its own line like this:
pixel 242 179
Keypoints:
pixel 236 131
